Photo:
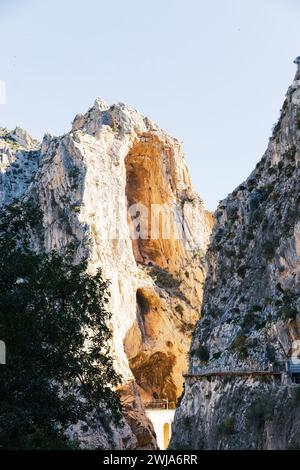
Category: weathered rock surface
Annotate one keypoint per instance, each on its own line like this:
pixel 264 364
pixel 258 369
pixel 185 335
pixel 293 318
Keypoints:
pixel 250 316
pixel 97 187
pixel 19 159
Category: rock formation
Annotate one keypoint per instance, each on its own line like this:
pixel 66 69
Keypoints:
pixel 250 317
pixel 19 160
pixel 117 189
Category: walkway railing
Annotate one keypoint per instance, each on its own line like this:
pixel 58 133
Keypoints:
pixel 160 405
pixel 274 370
pixel 238 372
pixel 267 369
pixel 283 370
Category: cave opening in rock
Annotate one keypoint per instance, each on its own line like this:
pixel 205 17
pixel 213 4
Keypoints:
pixel 143 304
pixel 151 366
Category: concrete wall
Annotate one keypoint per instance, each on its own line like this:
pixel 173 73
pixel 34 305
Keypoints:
pixel 160 418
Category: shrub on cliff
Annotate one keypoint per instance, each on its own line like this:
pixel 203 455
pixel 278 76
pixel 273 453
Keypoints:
pixel 239 345
pixel 289 312
pixel 288 309
pixel 296 396
pixel 260 410
pixel 268 249
pixel 227 428
pixel 164 279
pixel 179 309
pixel 202 353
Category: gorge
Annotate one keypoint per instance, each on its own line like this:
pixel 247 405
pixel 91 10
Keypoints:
pixel 117 188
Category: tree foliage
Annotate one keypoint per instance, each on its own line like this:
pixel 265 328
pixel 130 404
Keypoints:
pixel 54 321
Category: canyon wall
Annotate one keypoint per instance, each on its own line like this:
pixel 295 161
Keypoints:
pixel 251 310
pixel 117 190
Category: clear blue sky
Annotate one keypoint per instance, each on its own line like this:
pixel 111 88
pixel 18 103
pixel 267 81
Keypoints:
pixel 211 72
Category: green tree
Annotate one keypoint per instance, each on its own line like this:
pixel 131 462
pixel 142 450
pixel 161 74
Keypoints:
pixel 53 319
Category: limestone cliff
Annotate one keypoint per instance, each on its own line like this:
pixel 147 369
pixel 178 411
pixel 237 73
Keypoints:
pixel 117 189
pixel 245 344
pixel 19 159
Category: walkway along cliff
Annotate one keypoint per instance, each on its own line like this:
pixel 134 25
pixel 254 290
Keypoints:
pixel 242 389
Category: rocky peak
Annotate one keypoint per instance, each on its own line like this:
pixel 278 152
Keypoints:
pixel 122 119
pixel 96 187
pixel 24 139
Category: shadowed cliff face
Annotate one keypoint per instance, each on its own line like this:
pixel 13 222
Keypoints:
pixel 19 160
pixel 250 316
pixel 85 184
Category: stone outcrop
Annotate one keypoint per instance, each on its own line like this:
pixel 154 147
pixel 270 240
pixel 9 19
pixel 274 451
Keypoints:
pixel 250 317
pixel 19 160
pixel 101 189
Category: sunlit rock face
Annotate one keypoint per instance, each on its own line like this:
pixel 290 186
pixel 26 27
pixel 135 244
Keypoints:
pixel 116 188
pixel 250 315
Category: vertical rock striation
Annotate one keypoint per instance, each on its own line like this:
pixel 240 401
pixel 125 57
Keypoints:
pixel 250 316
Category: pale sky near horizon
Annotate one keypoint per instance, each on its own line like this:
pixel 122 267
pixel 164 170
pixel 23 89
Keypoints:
pixel 212 73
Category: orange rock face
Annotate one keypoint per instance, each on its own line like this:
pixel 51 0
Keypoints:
pixel 151 183
pixel 157 189
pixel 134 414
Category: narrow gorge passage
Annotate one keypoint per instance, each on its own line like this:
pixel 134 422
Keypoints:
pixel 165 310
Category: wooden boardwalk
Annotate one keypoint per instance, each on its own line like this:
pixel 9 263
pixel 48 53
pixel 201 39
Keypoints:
pixel 160 405
pixel 234 373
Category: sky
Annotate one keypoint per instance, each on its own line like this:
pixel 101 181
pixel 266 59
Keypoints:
pixel 212 73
